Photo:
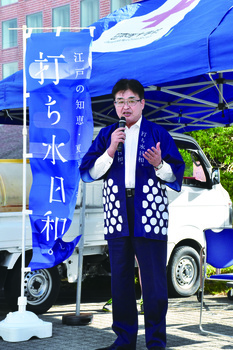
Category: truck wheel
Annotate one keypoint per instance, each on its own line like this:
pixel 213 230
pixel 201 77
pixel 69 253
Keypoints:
pixel 183 272
pixel 41 287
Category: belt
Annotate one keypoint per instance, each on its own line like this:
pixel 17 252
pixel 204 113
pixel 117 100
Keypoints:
pixel 129 192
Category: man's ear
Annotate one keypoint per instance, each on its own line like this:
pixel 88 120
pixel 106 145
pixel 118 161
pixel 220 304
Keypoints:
pixel 143 103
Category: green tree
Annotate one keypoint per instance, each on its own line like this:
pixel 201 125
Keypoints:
pixel 217 143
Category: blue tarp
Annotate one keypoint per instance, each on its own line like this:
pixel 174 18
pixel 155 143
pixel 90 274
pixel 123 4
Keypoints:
pixel 180 50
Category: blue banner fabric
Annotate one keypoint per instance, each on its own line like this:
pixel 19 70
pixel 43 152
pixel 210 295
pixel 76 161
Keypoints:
pixel 58 68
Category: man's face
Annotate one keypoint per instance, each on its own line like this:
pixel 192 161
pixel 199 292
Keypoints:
pixel 132 110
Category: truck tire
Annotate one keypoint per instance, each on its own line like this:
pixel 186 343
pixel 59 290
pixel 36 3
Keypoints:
pixel 41 287
pixel 183 272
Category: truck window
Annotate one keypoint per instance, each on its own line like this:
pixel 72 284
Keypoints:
pixel 194 174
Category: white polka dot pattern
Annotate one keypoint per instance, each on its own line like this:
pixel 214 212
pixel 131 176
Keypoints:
pixel 154 206
pixel 113 219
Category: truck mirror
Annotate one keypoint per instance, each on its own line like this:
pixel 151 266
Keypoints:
pixel 215 176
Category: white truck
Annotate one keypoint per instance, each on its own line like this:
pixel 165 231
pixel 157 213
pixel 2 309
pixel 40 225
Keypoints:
pixel 202 203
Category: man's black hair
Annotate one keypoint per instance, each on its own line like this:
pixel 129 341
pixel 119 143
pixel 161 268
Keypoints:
pixel 128 84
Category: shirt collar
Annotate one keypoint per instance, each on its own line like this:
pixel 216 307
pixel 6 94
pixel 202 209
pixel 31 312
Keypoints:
pixel 137 124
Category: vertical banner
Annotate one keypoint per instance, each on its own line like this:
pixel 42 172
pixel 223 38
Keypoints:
pixel 58 68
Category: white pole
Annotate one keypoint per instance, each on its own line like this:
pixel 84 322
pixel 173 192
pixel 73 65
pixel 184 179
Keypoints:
pixel 22 301
pixel 22 325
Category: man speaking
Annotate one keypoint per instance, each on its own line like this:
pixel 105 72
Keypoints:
pixel 135 212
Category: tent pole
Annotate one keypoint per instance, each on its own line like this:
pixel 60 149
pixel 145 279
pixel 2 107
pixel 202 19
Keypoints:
pixel 81 246
pixel 79 319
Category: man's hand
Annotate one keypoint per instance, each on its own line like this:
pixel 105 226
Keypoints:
pixel 153 155
pixel 117 136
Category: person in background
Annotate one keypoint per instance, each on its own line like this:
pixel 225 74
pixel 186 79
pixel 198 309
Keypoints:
pixel 135 212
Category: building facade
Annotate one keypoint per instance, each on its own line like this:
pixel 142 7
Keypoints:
pixel 44 14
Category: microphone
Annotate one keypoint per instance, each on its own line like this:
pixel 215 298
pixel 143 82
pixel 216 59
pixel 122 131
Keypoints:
pixel 122 123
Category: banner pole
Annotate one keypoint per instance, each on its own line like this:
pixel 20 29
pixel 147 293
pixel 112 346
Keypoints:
pixel 22 325
pixel 22 300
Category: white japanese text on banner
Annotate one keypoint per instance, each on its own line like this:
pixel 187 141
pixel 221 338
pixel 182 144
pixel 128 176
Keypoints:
pixel 58 69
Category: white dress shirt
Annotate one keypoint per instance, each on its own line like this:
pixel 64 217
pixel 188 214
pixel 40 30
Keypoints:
pixel 104 162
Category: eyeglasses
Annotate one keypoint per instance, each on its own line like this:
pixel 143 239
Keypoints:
pixel 131 102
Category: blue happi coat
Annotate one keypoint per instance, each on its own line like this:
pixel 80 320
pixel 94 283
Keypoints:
pixel 151 203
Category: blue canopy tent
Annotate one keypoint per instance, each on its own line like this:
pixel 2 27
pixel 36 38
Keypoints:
pixel 180 50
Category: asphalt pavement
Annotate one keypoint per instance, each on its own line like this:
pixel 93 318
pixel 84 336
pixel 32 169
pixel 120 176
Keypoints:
pixel 182 323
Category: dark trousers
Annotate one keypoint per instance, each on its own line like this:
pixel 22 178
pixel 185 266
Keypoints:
pixel 151 255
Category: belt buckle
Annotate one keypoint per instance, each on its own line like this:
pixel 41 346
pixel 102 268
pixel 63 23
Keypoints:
pixel 129 192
